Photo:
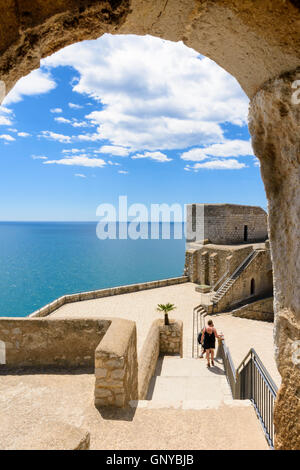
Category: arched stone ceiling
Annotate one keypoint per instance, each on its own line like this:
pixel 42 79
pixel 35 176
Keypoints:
pixel 254 40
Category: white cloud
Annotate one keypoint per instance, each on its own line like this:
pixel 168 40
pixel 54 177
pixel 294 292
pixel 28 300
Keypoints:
pixel 36 83
pixel 79 160
pixel 76 123
pixel 62 120
pixel 230 148
pixel 123 172
pixel 71 151
pixel 7 137
pixel 75 106
pixel 58 137
pixel 39 157
pixel 154 94
pixel 113 150
pixel 5 119
pixel 228 164
pixel 89 137
pixel 73 122
pixel 56 110
pixel 157 156
pixel 80 175
pixel 23 134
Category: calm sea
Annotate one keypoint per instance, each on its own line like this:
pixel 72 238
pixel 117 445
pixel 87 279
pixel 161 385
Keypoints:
pixel 40 261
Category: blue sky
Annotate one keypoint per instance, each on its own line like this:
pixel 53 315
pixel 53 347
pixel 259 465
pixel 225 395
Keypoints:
pixel 124 115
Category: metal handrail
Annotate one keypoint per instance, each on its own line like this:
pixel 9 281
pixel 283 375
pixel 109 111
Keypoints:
pixel 252 381
pixel 243 264
pixel 248 258
pixel 219 280
pixel 193 342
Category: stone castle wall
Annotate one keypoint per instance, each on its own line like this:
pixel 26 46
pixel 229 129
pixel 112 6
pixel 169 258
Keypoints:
pixel 260 269
pixel 224 223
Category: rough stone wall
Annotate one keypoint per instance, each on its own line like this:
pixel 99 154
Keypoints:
pixel 239 36
pixel 40 343
pixel 171 337
pixel 213 261
pixel 213 268
pixel 274 123
pixel 116 366
pixel 258 270
pixel 260 310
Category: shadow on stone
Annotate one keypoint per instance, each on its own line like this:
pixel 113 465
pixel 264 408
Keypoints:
pixel 4 370
pixel 111 413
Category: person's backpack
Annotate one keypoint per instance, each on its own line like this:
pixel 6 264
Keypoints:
pixel 199 337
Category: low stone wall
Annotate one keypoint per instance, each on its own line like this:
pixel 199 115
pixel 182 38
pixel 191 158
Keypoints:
pixel 148 358
pixel 116 367
pixel 259 310
pixel 170 337
pixel 166 339
pixel 50 343
pixel 98 294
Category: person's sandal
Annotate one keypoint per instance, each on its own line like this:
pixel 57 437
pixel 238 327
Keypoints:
pixel 208 365
pixel 212 363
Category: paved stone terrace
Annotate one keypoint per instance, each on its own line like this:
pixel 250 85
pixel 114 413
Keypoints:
pixel 27 402
pixel 240 334
pixel 141 308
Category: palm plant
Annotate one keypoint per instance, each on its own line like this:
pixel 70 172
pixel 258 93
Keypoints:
pixel 166 308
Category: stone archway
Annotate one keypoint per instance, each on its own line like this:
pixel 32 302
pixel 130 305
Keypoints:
pixel 259 44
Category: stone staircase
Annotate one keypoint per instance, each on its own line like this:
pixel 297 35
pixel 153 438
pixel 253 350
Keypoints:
pixel 191 407
pixel 188 384
pixel 227 284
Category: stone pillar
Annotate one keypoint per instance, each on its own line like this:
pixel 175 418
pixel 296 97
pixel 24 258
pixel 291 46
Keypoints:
pixel 170 337
pixel 213 269
pixel 191 268
pixel 274 123
pixel 203 268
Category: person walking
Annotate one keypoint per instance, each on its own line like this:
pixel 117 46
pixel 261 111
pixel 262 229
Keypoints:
pixel 208 340
pixel 201 343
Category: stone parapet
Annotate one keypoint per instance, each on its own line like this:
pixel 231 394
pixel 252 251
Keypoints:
pixel 98 294
pixel 43 342
pixel 116 367
pixel 260 310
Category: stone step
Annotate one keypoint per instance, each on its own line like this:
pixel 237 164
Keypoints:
pixel 188 388
pixel 185 367
pixel 190 404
